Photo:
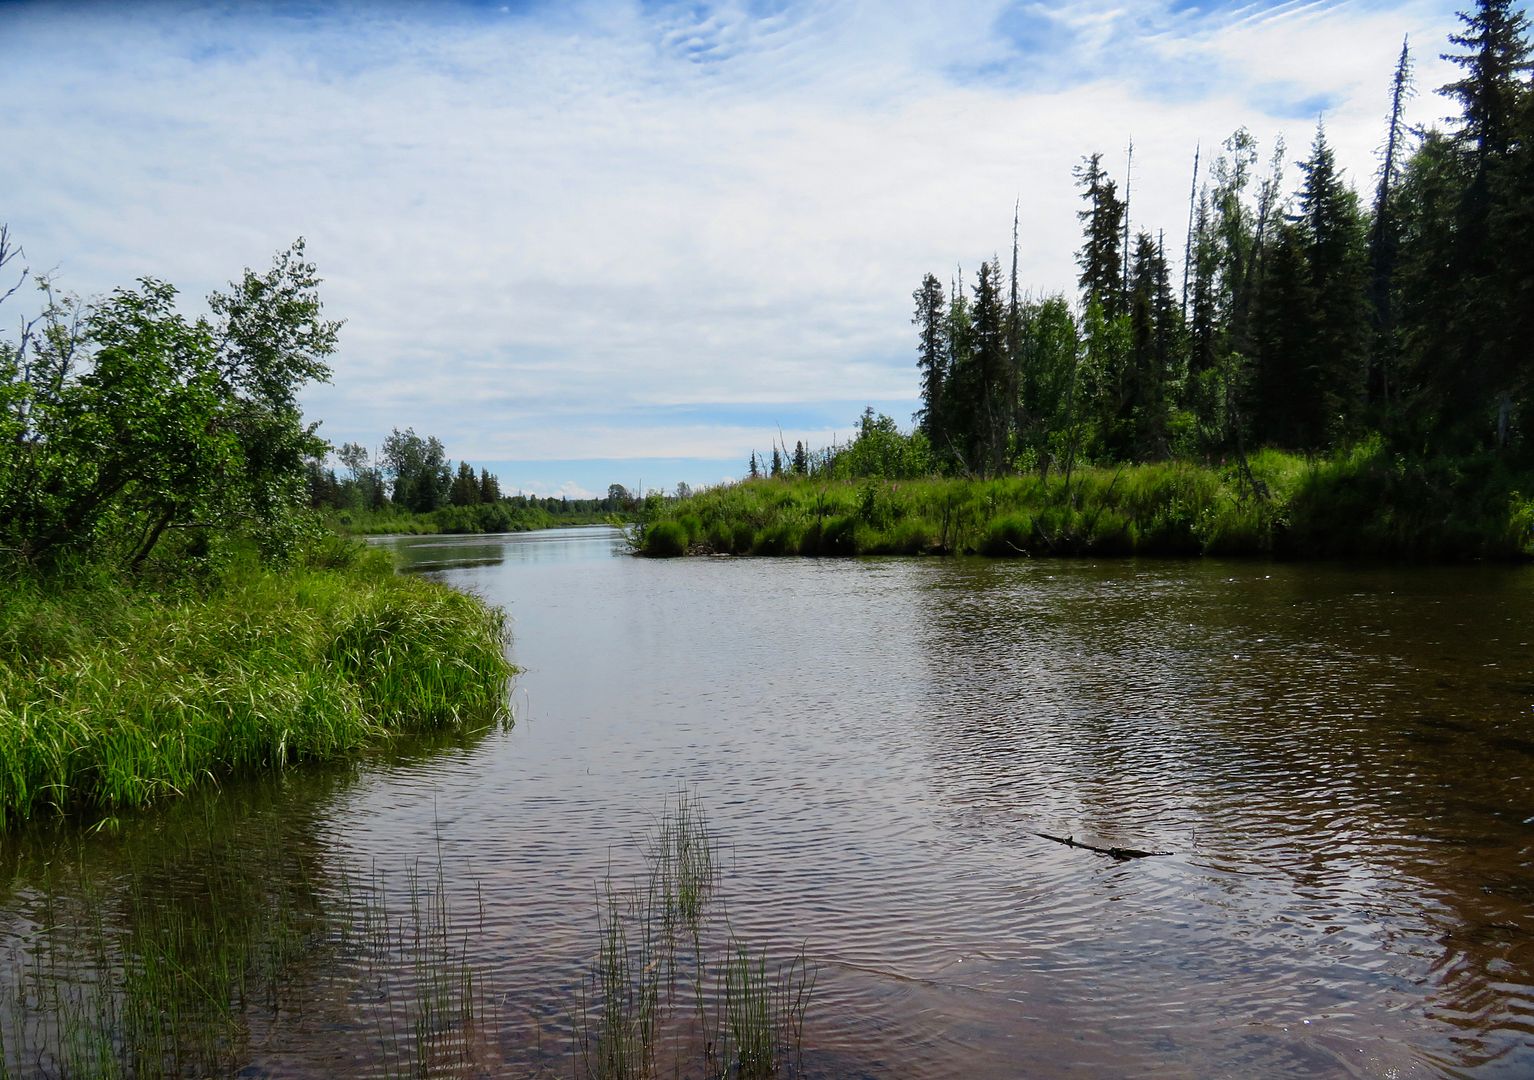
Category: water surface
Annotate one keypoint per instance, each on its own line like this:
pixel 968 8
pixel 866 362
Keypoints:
pixel 1339 762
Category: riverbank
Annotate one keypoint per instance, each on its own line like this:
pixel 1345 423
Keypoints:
pixel 501 517
pixel 1366 503
pixel 115 695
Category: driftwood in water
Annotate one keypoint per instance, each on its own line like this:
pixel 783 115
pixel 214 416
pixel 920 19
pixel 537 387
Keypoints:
pixel 1114 852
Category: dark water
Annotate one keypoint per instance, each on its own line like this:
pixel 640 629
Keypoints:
pixel 1339 761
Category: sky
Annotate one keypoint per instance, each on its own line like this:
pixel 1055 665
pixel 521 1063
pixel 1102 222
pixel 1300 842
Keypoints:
pixel 586 243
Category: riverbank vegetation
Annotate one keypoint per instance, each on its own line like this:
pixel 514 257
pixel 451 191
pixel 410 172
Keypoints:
pixel 170 611
pixel 113 695
pixel 1330 378
pixel 514 514
pixel 1362 503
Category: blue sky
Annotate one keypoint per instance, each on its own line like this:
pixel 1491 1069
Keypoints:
pixel 586 243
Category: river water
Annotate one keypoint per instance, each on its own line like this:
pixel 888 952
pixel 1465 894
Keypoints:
pixel 1338 763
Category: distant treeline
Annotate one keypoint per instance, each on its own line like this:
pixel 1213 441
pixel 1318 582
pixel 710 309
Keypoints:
pixel 413 487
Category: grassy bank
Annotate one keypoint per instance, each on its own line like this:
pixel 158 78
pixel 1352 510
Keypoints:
pixel 480 518
pixel 115 695
pixel 1364 503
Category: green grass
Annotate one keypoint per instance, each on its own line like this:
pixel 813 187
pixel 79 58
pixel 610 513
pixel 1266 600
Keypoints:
pixel 671 987
pixel 114 696
pixel 480 518
pixel 1361 503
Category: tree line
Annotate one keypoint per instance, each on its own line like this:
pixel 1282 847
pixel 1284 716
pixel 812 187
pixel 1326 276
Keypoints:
pixel 1303 321
pixel 410 473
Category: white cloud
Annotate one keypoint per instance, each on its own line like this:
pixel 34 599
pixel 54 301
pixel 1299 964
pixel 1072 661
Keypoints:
pixel 525 217
pixel 567 489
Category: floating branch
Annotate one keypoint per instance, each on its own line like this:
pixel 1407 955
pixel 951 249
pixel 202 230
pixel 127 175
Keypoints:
pixel 1115 852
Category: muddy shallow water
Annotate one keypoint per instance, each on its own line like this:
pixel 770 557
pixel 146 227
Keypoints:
pixel 1339 763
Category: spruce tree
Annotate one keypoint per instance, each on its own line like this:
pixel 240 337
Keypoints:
pixel 465 489
pixel 489 487
pixel 1496 63
pixel 1385 239
pixel 1102 272
pixel 987 448
pixel 1333 231
pixel 932 356
pixel 962 387
pixel 1284 407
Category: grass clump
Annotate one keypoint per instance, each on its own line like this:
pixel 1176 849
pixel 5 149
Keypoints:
pixel 672 987
pixel 115 695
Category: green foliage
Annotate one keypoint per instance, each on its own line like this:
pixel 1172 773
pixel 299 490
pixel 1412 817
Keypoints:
pixel 121 421
pixel 1372 501
pixel 111 696
pixel 1363 502
pixel 665 539
pixel 880 450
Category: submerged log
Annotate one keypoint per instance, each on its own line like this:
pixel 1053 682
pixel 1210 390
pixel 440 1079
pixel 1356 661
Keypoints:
pixel 1113 852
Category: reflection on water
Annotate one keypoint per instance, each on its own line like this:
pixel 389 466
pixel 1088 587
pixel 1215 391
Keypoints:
pixel 1340 761
pixel 425 553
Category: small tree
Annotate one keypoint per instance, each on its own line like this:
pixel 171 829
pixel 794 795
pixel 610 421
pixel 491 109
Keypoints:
pixel 122 422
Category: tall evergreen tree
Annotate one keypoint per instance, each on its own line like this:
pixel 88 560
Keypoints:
pixel 1385 238
pixel 1495 61
pixel 465 489
pixel 489 487
pixel 1333 230
pixel 962 390
pixel 989 440
pixel 1285 405
pixel 1102 272
pixel 1458 282
pixel 932 356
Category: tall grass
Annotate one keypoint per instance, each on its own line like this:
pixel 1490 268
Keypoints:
pixel 1359 503
pixel 670 975
pixel 113 696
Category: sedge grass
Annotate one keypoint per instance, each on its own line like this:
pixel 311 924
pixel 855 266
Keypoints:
pixel 114 697
pixel 672 988
pixel 144 980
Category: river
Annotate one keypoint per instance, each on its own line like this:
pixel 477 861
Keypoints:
pixel 1337 762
